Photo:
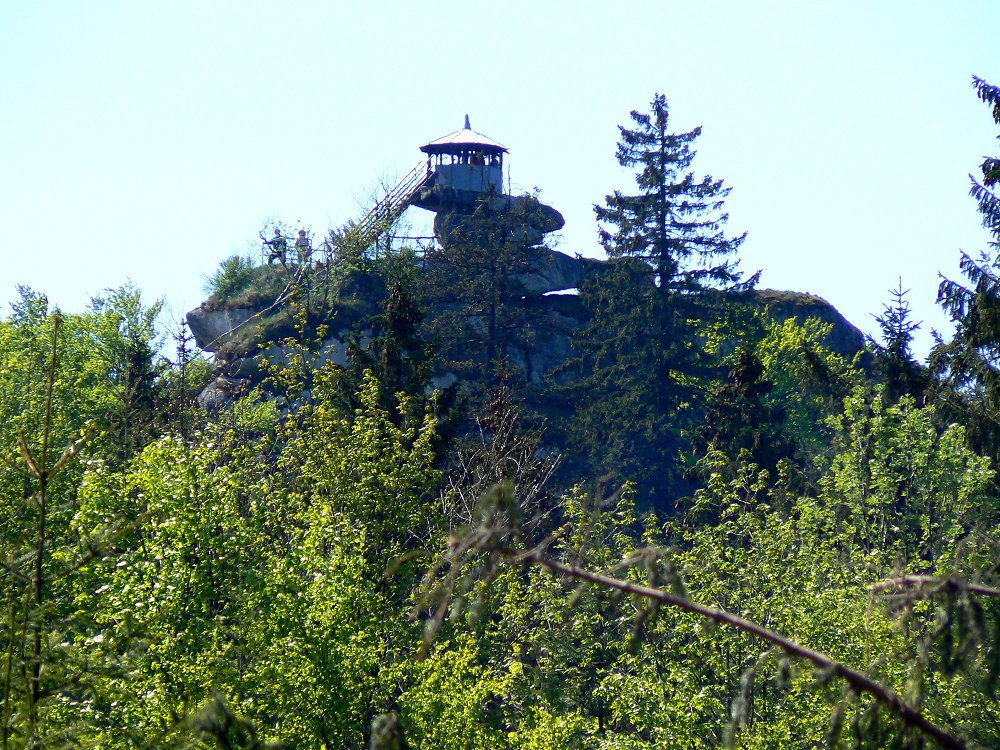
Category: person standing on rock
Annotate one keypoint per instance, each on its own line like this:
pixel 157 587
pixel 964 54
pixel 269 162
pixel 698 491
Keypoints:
pixel 277 246
pixel 303 247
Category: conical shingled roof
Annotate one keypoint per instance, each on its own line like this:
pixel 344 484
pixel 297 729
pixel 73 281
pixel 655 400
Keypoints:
pixel 464 140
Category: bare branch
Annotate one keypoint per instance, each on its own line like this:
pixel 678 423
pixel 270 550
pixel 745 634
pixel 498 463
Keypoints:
pixel 29 458
pixel 860 682
pixel 73 447
pixel 930 585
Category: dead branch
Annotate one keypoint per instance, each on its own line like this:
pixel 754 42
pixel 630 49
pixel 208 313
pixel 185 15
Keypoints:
pixel 930 585
pixel 861 683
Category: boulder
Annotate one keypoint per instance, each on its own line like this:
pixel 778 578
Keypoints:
pixel 212 328
pixel 557 272
pixel 221 392
pixel 844 338
pixel 528 219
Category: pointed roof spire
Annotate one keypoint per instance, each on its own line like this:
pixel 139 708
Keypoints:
pixel 464 139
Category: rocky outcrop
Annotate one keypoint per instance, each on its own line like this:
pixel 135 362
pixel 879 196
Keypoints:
pixel 212 328
pixel 235 375
pixel 844 338
pixel 555 315
pixel 557 272
pixel 525 218
pixel 553 323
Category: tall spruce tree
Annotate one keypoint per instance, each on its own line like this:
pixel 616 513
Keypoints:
pixel 675 222
pixel 901 373
pixel 968 366
pixel 644 348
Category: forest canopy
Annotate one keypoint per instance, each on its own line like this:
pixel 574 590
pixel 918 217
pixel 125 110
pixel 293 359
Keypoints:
pixel 707 528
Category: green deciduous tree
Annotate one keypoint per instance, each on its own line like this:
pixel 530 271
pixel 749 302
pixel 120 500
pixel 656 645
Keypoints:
pixel 124 331
pixel 760 627
pixel 912 493
pixel 52 652
pixel 258 570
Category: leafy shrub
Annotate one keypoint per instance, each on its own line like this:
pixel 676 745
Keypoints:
pixel 236 273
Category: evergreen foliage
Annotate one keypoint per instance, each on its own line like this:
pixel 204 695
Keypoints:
pixel 645 349
pixel 969 364
pixel 743 417
pixel 393 350
pixel 316 565
pixel 894 357
pixel 675 223
pixel 474 283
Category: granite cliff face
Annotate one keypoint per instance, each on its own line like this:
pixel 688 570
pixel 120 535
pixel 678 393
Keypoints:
pixel 242 330
pixel 241 334
pixel 555 315
pixel 844 338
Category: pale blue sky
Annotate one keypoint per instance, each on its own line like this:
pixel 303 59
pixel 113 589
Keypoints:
pixel 149 140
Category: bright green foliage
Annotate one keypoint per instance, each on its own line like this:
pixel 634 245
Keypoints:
pixel 810 381
pixel 899 497
pixel 622 675
pixel 532 654
pixel 271 560
pixel 182 379
pixel 125 336
pixel 106 372
pixel 906 492
pixel 567 644
pixel 449 705
pixel 263 577
pixel 61 377
pixel 594 670
pixel 794 576
pixel 174 596
pixel 363 488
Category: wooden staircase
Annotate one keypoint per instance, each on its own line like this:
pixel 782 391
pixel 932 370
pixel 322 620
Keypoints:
pixel 383 213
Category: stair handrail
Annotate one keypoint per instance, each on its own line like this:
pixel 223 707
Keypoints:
pixel 394 202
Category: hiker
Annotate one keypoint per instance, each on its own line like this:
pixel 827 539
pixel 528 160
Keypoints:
pixel 303 248
pixel 277 246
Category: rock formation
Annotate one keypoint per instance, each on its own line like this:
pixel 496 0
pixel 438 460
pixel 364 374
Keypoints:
pixel 242 331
